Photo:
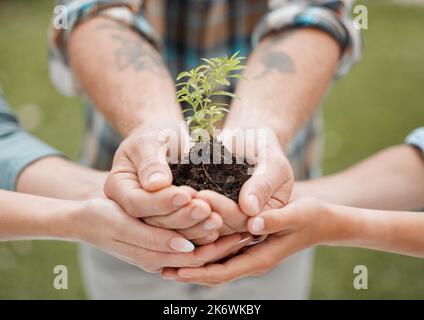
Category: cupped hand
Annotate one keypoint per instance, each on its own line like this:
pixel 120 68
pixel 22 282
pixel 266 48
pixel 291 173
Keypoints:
pixel 295 227
pixel 272 180
pixel 141 182
pixel 102 223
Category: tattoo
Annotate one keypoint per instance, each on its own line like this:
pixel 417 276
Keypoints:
pixel 274 60
pixel 134 52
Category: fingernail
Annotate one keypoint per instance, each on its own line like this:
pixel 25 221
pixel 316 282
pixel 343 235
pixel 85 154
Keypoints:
pixel 185 276
pixel 197 213
pixel 180 200
pixel 258 224
pixel 181 245
pixel 156 177
pixel 254 202
pixel 241 241
pixel 210 225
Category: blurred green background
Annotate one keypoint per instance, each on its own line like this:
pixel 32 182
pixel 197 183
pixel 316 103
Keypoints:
pixel 375 106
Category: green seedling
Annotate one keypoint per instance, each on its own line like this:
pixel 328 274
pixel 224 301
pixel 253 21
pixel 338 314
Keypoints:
pixel 201 85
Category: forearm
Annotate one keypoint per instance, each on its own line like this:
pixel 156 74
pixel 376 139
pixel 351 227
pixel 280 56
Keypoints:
pixel 393 179
pixel 392 231
pixel 31 217
pixel 287 75
pixel 122 73
pixel 60 178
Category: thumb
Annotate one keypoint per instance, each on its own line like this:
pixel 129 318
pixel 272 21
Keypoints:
pixel 148 155
pixel 273 177
pixel 269 222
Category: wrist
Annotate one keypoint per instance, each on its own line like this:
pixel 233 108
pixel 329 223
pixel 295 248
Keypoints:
pixel 77 217
pixel 270 128
pixel 59 222
pixel 354 226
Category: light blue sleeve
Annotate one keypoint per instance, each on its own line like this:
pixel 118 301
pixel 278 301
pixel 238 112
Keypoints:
pixel 416 138
pixel 18 148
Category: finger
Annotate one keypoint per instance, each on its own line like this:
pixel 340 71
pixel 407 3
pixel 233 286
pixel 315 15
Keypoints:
pixel 271 221
pixel 205 254
pixel 254 261
pixel 230 212
pixel 204 228
pixel 212 237
pixel 124 188
pixel 172 272
pixel 186 217
pixel 273 176
pixel 147 152
pixel 133 231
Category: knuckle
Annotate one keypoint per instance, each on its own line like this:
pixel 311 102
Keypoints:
pixel 152 242
pixel 199 260
pixel 148 163
pixel 132 205
pixel 265 185
pixel 267 262
pixel 109 186
pixel 154 221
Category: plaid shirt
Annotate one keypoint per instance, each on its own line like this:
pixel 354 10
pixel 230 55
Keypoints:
pixel 186 30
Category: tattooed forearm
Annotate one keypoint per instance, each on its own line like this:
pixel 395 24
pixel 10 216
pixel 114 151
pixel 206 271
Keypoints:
pixel 136 54
pixel 274 60
pixel 133 52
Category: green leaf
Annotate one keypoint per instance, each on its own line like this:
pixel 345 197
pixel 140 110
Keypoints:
pixel 183 75
pixel 223 93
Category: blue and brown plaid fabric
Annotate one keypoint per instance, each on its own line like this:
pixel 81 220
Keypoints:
pixel 186 30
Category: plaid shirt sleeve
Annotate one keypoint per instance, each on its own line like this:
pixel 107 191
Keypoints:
pixel 18 149
pixel 331 16
pixel 127 12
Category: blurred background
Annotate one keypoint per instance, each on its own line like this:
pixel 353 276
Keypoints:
pixel 375 106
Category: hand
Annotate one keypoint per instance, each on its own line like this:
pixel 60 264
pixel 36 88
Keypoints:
pixel 196 221
pixel 272 180
pixel 140 179
pixel 295 227
pixel 140 182
pixel 102 223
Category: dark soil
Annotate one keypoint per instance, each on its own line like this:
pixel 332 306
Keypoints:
pixel 225 177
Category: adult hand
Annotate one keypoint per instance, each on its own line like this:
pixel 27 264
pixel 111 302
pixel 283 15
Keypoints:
pixel 140 182
pixel 140 179
pixel 295 227
pixel 196 220
pixel 272 180
pixel 104 224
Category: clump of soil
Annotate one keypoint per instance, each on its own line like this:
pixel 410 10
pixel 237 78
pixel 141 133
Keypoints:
pixel 215 168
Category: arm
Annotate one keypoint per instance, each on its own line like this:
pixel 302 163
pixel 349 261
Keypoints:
pixel 125 77
pixel 123 74
pixel 59 178
pixel 391 179
pixel 103 224
pixel 287 74
pixel 307 222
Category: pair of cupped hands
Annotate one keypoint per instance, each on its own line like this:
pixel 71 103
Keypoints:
pixel 188 235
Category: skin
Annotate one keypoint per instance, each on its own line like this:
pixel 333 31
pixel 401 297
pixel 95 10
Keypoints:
pixel 285 82
pixel 308 221
pixel 137 95
pixel 87 216
pixel 103 224
pixel 296 77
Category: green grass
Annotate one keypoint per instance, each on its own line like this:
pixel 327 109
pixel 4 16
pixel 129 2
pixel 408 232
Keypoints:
pixel 375 106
